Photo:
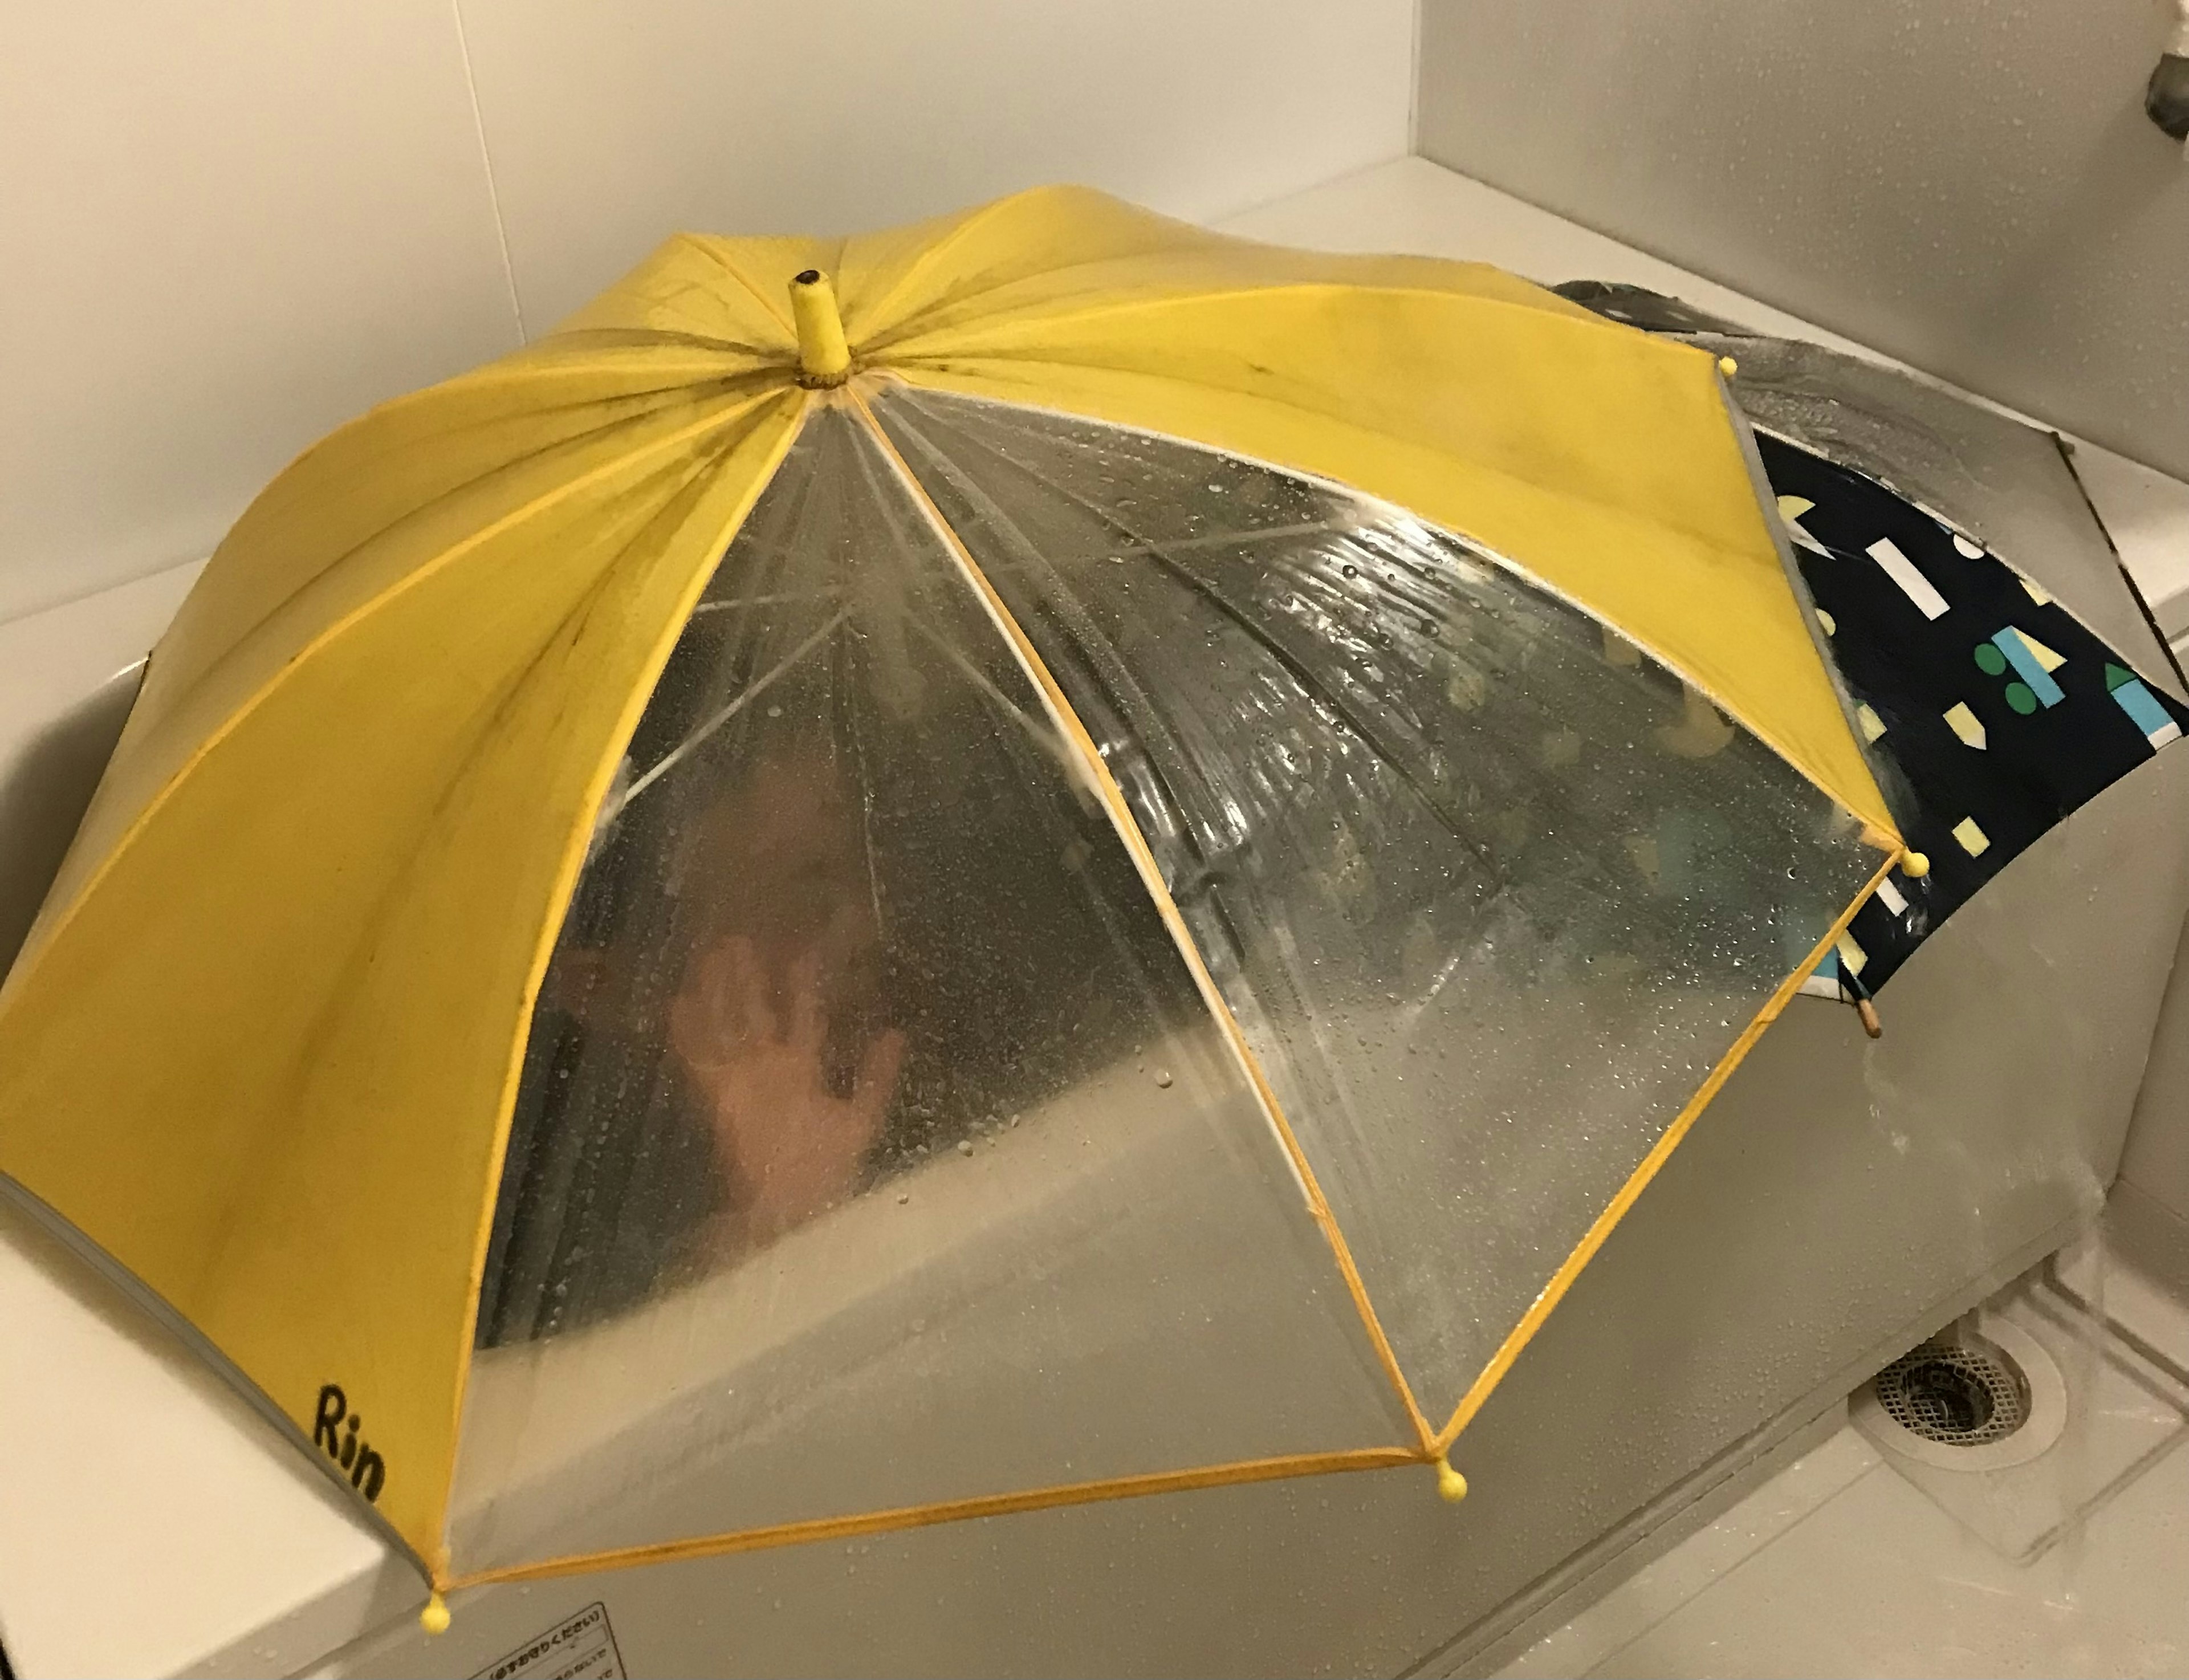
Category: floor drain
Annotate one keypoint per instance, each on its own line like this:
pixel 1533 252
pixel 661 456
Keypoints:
pixel 1983 1396
pixel 1963 1392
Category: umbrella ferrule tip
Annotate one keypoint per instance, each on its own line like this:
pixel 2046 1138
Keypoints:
pixel 1451 1486
pixel 823 357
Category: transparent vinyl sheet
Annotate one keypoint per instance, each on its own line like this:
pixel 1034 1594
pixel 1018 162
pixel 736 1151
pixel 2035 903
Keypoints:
pixel 2007 484
pixel 873 1146
pixel 1490 892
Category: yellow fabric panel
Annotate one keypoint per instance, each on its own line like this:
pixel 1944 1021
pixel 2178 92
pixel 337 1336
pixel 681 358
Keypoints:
pixel 369 508
pixel 727 291
pixel 1636 503
pixel 1058 243
pixel 1048 243
pixel 289 1010
pixel 1604 461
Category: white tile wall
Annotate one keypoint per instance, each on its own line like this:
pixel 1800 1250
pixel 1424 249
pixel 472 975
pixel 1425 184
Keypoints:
pixel 1969 185
pixel 68 676
pixel 227 228
pixel 613 125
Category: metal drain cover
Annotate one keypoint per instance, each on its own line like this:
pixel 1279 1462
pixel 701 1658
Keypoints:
pixel 1965 1391
pixel 1982 1396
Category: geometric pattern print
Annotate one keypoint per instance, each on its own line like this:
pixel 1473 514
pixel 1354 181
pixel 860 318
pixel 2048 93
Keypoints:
pixel 1990 712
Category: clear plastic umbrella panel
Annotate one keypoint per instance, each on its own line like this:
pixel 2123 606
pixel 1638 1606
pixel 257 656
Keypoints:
pixel 770 921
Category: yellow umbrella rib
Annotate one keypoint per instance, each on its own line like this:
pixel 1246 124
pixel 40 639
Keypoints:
pixel 904 345
pixel 167 691
pixel 911 367
pixel 661 371
pixel 1140 237
pixel 1585 1251
pixel 1875 818
pixel 568 870
pixel 767 301
pixel 589 351
pixel 762 386
pixel 538 363
pixel 955 1510
pixel 906 353
pixel 1121 818
pixel 484 736
pixel 23 970
pixel 562 350
pixel 927 259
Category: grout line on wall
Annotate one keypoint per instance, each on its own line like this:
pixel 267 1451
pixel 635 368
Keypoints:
pixel 1413 85
pixel 486 159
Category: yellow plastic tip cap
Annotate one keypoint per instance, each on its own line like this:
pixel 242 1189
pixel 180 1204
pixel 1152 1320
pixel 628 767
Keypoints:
pixel 434 1618
pixel 1728 366
pixel 1451 1486
pixel 1915 866
pixel 823 357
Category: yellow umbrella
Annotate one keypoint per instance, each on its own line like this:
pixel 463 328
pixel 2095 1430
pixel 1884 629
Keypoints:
pixel 1029 859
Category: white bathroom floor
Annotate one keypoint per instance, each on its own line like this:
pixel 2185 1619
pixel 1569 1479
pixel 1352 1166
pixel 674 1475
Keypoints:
pixel 1839 1564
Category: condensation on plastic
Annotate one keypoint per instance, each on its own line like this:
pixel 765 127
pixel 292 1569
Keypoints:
pixel 2008 484
pixel 2005 484
pixel 874 1147
pixel 1489 893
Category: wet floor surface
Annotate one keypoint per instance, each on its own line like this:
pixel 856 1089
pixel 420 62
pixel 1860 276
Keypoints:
pixel 1851 1561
